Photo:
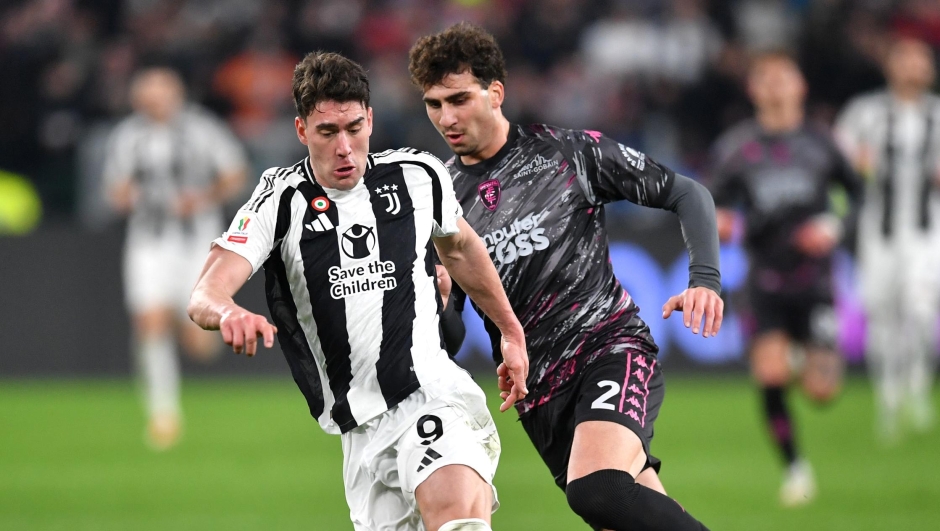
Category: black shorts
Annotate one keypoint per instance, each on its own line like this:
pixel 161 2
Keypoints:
pixel 806 318
pixel 626 388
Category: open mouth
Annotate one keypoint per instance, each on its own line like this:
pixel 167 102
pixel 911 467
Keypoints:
pixel 453 138
pixel 344 171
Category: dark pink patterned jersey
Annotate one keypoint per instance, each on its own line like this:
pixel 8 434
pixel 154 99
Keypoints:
pixel 538 205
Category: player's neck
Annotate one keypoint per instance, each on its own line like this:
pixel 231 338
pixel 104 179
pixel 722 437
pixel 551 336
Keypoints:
pixel 906 94
pixel 780 120
pixel 497 140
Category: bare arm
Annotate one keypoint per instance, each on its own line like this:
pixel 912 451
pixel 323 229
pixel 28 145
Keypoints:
pixel 211 305
pixel 468 262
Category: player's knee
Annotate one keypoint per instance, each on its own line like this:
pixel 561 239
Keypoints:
pixel 466 524
pixel 598 496
pixel 771 372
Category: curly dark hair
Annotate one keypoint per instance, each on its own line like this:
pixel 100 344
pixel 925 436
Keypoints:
pixel 324 76
pixel 463 47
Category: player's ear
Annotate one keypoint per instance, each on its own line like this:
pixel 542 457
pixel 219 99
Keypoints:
pixel 301 126
pixel 369 118
pixel 497 93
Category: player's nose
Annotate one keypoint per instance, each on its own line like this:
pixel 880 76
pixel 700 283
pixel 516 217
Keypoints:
pixel 448 116
pixel 343 145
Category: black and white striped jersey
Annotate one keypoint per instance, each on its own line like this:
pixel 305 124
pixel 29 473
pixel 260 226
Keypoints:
pixel 899 148
pixel 350 279
pixel 167 160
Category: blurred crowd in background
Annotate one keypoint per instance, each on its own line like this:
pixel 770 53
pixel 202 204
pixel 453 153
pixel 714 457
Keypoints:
pixel 665 76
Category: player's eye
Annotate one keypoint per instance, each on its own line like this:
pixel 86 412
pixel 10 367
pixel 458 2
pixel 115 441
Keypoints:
pixel 433 105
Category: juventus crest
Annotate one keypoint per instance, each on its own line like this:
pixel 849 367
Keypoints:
pixel 390 194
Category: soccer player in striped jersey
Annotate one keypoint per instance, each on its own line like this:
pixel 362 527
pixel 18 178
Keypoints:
pixel 346 238
pixel 536 194
pixel 170 166
pixel 892 137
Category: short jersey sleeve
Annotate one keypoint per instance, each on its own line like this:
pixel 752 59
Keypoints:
pixel 252 232
pixel 851 128
pixel 120 160
pixel 725 180
pixel 610 171
pixel 227 153
pixel 446 208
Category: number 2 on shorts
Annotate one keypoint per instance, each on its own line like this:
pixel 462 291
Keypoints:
pixel 601 403
pixel 436 431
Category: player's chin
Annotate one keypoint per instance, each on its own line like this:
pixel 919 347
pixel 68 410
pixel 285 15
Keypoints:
pixel 462 149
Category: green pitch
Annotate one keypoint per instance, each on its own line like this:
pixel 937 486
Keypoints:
pixel 72 458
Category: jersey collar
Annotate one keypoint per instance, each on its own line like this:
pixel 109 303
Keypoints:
pixel 486 166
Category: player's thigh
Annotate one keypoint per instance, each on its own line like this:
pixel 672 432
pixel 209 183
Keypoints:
pixel 618 403
pixel 446 462
pixel 550 427
pixel 823 365
pixel 822 373
pixel 376 501
pixel 149 273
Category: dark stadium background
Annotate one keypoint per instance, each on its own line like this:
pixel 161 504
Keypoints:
pixel 664 76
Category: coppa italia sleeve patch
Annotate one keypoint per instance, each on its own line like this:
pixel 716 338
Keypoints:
pixel 238 232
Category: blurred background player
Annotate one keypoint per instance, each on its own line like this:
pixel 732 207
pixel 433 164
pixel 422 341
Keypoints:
pixel 170 167
pixel 891 136
pixel 777 171
pixel 536 195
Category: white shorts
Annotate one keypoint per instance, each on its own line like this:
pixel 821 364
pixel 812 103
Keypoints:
pixel 384 460
pixel 161 271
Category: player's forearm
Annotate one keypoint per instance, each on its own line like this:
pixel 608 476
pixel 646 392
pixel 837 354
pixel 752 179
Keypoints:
pixel 470 265
pixel 696 210
pixel 208 305
pixel 222 276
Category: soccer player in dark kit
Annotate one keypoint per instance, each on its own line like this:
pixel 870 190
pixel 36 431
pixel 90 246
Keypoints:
pixel 536 196
pixel 777 171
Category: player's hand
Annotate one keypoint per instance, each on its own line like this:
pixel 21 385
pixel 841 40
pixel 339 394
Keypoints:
pixel 188 204
pixel 817 237
pixel 241 329
pixel 124 196
pixel 444 283
pixel 512 372
pixel 695 304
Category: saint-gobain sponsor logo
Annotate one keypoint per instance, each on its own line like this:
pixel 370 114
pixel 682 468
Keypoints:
pixel 521 238
pixel 634 157
pixel 353 280
pixel 539 163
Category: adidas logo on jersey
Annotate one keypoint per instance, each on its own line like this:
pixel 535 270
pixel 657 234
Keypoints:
pixel 521 238
pixel 429 457
pixel 322 223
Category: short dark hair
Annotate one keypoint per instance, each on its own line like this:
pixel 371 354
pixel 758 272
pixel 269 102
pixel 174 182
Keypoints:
pixel 463 47
pixel 325 76
pixel 773 54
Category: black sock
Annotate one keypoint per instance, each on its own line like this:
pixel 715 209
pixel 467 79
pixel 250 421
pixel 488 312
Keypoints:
pixel 611 499
pixel 778 420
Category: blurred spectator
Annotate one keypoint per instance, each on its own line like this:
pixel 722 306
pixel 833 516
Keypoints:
pixel 256 83
pixel 664 75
